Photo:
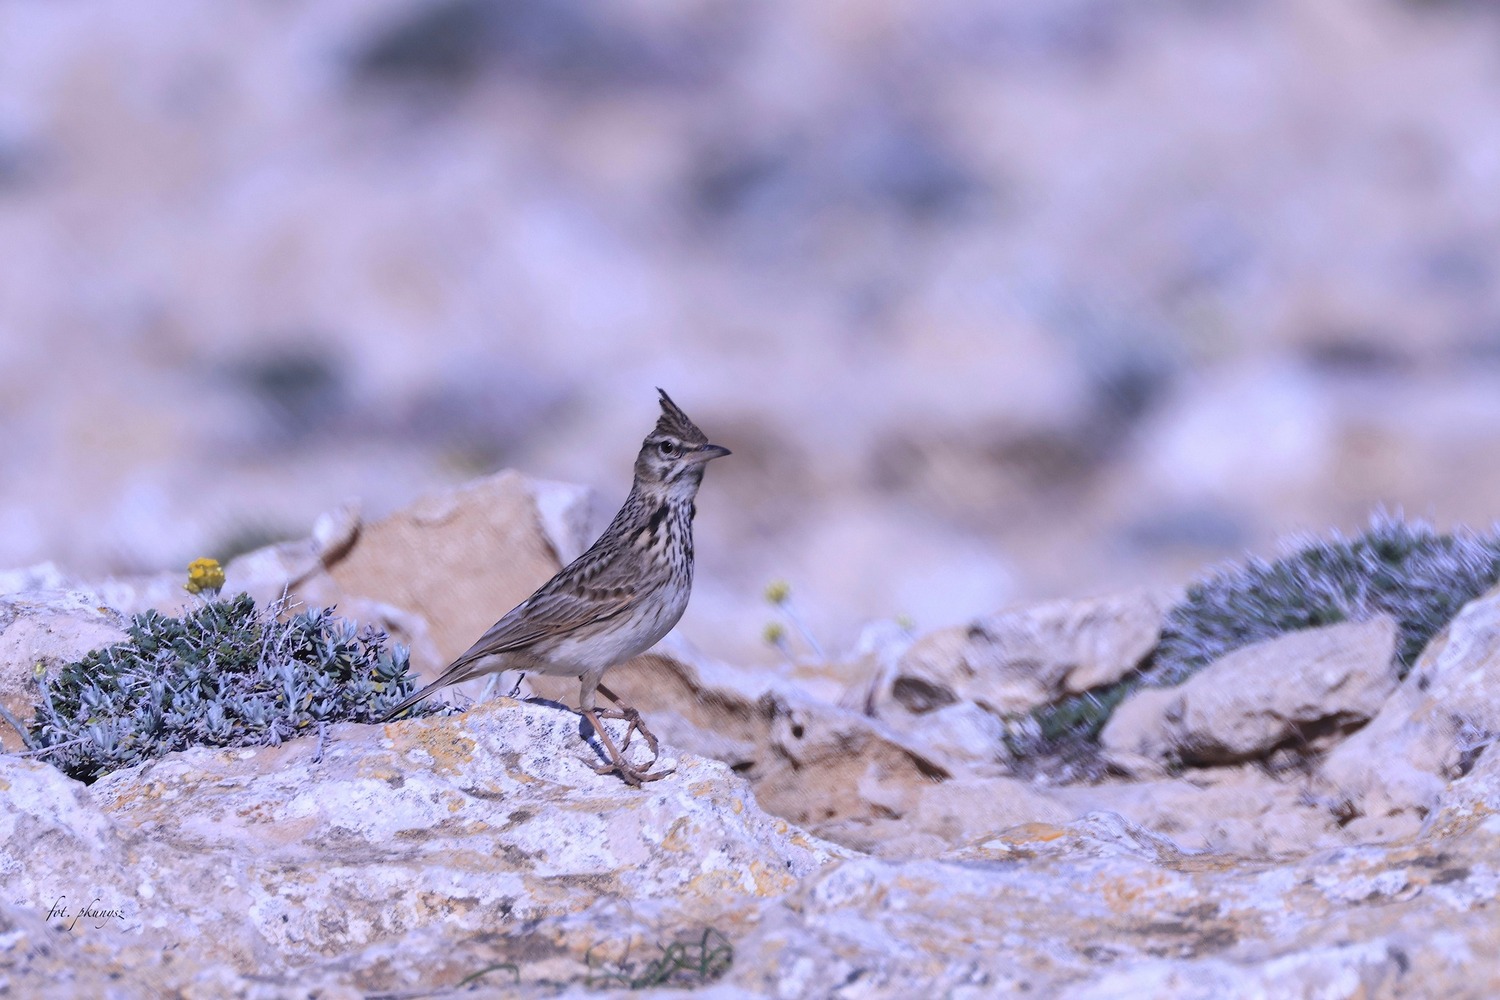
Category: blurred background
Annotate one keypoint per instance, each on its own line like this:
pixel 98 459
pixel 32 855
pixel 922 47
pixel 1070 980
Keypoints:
pixel 993 301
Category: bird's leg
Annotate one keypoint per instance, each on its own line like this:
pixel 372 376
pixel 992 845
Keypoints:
pixel 633 775
pixel 625 712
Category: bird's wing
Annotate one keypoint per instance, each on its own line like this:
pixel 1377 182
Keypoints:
pixel 543 615
pixel 561 605
pixel 558 607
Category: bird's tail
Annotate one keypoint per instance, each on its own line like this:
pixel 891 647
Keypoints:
pixel 411 700
pixel 460 669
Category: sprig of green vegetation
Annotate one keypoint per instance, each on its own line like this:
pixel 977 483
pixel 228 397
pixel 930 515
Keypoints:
pixel 686 964
pixel 474 977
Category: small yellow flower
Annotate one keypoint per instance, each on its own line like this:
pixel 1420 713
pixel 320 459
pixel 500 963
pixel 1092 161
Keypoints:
pixel 777 591
pixel 204 575
pixel 774 633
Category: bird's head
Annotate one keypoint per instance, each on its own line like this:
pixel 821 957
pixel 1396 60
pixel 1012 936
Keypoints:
pixel 674 453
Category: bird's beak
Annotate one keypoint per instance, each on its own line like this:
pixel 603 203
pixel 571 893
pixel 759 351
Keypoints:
pixel 708 452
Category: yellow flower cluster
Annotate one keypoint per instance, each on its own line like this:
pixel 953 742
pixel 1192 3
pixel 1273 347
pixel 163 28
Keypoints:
pixel 777 591
pixel 204 575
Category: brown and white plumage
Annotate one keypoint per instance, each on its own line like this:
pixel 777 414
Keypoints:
pixel 619 598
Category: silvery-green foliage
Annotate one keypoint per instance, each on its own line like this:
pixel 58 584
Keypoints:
pixel 224 674
pixel 1406 570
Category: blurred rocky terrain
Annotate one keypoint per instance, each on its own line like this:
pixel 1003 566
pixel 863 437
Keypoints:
pixel 992 301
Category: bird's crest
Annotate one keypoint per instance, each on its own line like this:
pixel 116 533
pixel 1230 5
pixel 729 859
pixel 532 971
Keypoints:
pixel 675 423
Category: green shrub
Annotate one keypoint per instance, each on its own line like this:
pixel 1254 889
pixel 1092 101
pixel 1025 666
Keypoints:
pixel 224 674
pixel 1406 570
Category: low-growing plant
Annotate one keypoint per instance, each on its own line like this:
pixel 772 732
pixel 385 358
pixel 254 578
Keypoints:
pixel 224 674
pixel 1406 570
pixel 686 964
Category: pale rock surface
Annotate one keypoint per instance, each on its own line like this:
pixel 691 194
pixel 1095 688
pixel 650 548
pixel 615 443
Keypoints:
pixel 1017 660
pixel 1100 908
pixel 859 782
pixel 416 854
pixel 1240 810
pixel 406 855
pixel 461 558
pixel 1389 776
pixel 834 771
pixel 45 629
pixel 1302 688
pixel 1469 798
pixel 847 777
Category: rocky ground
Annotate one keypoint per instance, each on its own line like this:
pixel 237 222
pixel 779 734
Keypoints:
pixel 852 826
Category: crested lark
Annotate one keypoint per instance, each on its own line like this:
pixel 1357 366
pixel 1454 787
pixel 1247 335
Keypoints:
pixel 617 599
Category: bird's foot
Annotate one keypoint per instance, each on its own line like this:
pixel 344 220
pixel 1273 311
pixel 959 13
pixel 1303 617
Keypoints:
pixel 637 724
pixel 632 775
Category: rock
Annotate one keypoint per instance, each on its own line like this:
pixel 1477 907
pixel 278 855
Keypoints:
pixel 836 772
pixel 434 575
pixel 1303 688
pixel 1387 778
pixel 1099 907
pixel 1471 798
pixel 1240 810
pixel 415 853
pixel 46 630
pixel 864 784
pixel 1018 660
pixel 693 701
pixel 458 559
pixel 963 738
pixel 266 573
pixel 32 579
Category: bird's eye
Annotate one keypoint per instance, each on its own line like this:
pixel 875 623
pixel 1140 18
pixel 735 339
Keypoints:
pixel 668 449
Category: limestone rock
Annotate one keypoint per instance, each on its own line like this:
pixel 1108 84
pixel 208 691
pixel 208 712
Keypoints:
pixel 458 559
pixel 1017 660
pixel 45 629
pixel 693 701
pixel 836 772
pixel 1302 688
pixel 415 853
pixel 1098 907
pixel 1241 810
pixel 1390 775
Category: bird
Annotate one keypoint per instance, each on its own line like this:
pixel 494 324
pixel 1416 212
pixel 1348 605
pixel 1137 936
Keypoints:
pixel 617 599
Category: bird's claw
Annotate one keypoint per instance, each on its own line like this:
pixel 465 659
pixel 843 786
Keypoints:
pixel 633 775
pixel 637 724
